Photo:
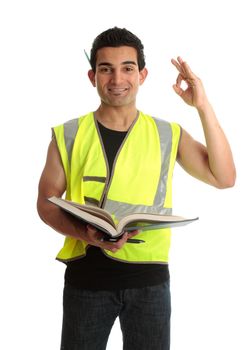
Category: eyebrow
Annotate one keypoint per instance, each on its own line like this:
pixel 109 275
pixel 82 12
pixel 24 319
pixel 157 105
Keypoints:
pixel 123 63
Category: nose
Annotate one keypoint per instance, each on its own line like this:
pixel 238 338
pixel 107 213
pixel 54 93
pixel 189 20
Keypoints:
pixel 117 77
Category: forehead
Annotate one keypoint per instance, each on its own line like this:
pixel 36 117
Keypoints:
pixel 116 55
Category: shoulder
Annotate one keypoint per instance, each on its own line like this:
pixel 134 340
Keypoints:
pixel 160 121
pixel 164 127
pixel 69 128
pixel 173 127
pixel 71 123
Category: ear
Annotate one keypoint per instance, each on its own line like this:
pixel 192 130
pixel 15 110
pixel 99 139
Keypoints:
pixel 91 76
pixel 142 75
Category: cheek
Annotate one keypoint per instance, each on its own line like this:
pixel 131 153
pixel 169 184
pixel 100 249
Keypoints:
pixel 100 89
pixel 100 83
pixel 136 82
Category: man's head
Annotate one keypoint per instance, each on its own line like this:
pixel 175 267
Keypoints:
pixel 116 37
pixel 118 67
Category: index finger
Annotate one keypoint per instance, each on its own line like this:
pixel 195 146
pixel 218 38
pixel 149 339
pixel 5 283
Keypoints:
pixel 113 246
pixel 133 233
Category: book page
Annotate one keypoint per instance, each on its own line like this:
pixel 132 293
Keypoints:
pixel 88 217
pixel 153 221
pixel 101 219
pixel 98 212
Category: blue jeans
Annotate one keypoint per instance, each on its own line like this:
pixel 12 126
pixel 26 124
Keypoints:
pixel 144 315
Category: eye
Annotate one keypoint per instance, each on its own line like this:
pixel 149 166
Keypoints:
pixel 105 70
pixel 129 69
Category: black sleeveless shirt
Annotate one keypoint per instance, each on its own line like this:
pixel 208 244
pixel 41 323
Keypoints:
pixel 96 271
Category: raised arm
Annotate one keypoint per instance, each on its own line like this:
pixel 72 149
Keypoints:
pixel 212 163
pixel 53 183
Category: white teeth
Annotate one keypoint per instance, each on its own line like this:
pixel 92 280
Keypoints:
pixel 117 90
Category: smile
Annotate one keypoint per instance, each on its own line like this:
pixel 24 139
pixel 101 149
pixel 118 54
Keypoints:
pixel 117 90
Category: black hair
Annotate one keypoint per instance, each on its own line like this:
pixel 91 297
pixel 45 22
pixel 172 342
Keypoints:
pixel 116 37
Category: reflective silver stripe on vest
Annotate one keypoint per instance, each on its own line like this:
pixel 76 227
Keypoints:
pixel 70 131
pixel 165 136
pixel 121 209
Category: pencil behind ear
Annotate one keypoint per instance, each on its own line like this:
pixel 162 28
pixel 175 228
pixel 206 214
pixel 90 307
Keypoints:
pixel 88 59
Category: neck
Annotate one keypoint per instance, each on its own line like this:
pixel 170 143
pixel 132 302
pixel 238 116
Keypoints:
pixel 116 118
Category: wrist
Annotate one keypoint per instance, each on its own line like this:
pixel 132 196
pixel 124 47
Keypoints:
pixel 204 107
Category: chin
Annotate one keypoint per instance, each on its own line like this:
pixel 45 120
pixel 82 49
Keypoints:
pixel 117 102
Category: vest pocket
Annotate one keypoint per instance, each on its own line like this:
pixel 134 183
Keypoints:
pixel 93 187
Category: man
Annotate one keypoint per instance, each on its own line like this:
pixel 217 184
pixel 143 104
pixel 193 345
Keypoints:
pixel 122 160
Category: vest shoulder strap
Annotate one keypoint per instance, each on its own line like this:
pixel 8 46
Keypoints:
pixel 70 131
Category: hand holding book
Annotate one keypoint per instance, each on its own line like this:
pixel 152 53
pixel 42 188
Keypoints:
pixel 103 221
pixel 99 239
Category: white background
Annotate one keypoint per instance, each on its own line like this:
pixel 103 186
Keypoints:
pixel 43 83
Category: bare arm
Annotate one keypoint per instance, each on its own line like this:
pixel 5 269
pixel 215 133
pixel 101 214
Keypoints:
pixel 53 183
pixel 212 163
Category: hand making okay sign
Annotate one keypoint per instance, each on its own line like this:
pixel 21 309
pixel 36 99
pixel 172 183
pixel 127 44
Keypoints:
pixel 194 95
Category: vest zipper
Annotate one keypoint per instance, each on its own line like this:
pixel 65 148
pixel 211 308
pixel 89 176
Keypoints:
pixel 110 176
pixel 106 163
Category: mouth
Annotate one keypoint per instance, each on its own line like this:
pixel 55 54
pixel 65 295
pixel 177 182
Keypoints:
pixel 117 91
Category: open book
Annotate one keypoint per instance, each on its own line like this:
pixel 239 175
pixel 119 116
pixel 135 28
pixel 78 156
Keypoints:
pixel 102 219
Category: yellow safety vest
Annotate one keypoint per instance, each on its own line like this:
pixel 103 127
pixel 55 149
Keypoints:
pixel 140 181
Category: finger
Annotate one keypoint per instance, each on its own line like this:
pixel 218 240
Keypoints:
pixel 106 244
pixel 188 71
pixel 179 80
pixel 176 64
pixel 186 68
pixel 122 240
pixel 178 90
pixel 133 233
pixel 181 64
pixel 180 60
pixel 119 244
pixel 112 246
pixel 189 77
pixel 177 87
pixel 93 235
